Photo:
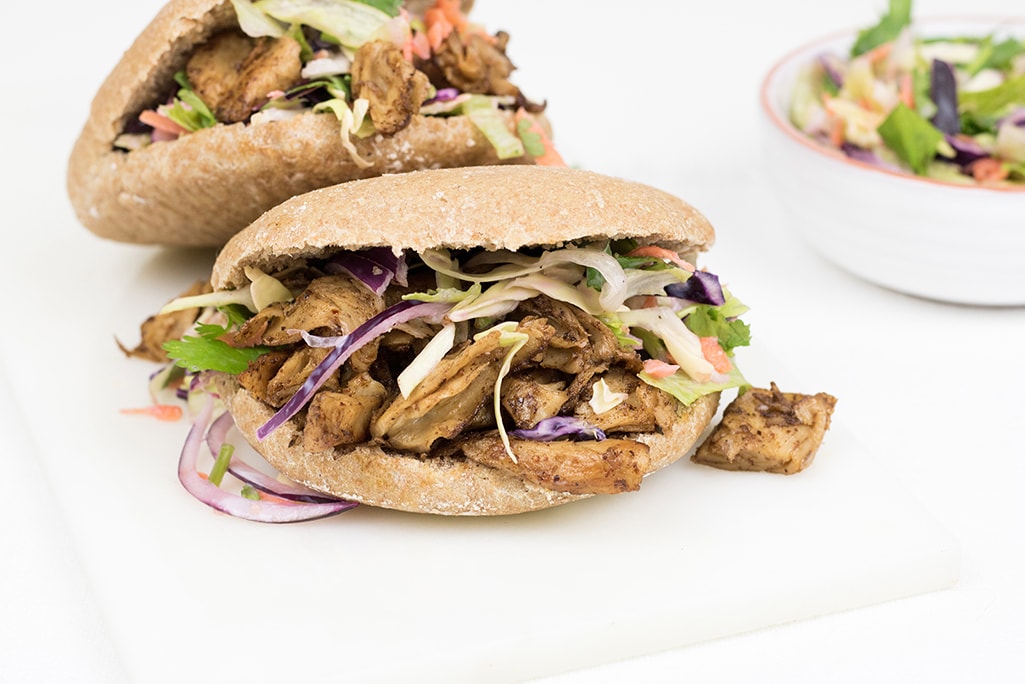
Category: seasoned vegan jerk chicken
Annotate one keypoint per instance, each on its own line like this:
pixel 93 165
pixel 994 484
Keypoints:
pixel 387 74
pixel 769 430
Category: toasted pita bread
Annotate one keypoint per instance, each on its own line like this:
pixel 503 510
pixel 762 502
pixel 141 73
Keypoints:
pixel 202 188
pixel 493 207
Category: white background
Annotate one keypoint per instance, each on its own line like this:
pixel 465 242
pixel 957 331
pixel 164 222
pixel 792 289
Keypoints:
pixel 664 93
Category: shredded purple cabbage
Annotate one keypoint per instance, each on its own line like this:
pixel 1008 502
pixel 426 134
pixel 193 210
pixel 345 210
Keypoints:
pixel 375 267
pixel 346 346
pixel 557 427
pixel 943 91
pixel 702 287
pixel 966 150
pixel 866 156
pixel 1015 118
pixel 444 95
pixel 860 154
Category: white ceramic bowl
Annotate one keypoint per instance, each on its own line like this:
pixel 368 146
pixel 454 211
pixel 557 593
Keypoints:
pixel 954 243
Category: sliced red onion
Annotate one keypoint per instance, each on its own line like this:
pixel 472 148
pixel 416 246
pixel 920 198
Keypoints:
pixel 702 287
pixel 557 427
pixel 215 438
pixel 234 504
pixel 375 267
pixel 943 92
pixel 347 345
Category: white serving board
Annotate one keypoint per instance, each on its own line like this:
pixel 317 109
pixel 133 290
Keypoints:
pixel 376 595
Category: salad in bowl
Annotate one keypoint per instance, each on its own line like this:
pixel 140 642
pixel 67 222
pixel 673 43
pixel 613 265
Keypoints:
pixel 897 152
pixel 948 107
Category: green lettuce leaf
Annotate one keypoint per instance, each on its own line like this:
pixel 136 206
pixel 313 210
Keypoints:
pixel 911 137
pixel 681 386
pixel 993 102
pixel 389 7
pixel 995 56
pixel 888 28
pixel 351 23
pixel 196 114
pixel 710 321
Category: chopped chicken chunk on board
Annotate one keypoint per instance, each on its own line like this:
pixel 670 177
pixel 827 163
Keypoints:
pixel 768 430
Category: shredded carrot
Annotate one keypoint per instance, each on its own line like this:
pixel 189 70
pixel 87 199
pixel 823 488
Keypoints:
pixel 420 46
pixel 438 27
pixel 168 412
pixel 160 122
pixel 551 156
pixel 659 369
pixel 906 89
pixel 714 354
pixel 989 170
pixel 879 53
pixel 836 133
pixel 662 253
pixel 453 12
pixel 264 496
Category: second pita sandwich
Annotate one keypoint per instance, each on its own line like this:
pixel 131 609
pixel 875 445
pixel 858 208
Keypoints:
pixel 222 109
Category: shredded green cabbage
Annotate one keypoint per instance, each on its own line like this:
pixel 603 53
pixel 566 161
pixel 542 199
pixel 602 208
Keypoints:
pixel 486 117
pixel 254 22
pixel 515 342
pixel 426 360
pixel 351 23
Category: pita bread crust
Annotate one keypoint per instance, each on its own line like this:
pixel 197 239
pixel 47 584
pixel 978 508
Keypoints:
pixel 491 207
pixel 203 188
pixel 437 485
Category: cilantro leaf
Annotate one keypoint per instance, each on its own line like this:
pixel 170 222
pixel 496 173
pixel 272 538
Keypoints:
pixel 911 137
pixel 208 353
pixel 708 321
pixel 888 28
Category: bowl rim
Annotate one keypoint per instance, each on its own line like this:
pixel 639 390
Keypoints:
pixel 783 124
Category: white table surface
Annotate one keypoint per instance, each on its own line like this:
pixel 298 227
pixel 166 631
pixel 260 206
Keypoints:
pixel 934 388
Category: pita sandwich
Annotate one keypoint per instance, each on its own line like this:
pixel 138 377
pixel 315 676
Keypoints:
pixel 222 109
pixel 478 341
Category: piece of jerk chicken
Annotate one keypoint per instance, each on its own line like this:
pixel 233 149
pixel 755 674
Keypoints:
pixel 768 430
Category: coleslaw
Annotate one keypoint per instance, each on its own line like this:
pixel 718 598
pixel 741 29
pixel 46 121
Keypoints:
pixel 949 108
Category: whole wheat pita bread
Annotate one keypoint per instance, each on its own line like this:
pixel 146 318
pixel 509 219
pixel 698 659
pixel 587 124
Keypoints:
pixel 202 188
pixel 490 207
pixel 439 485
